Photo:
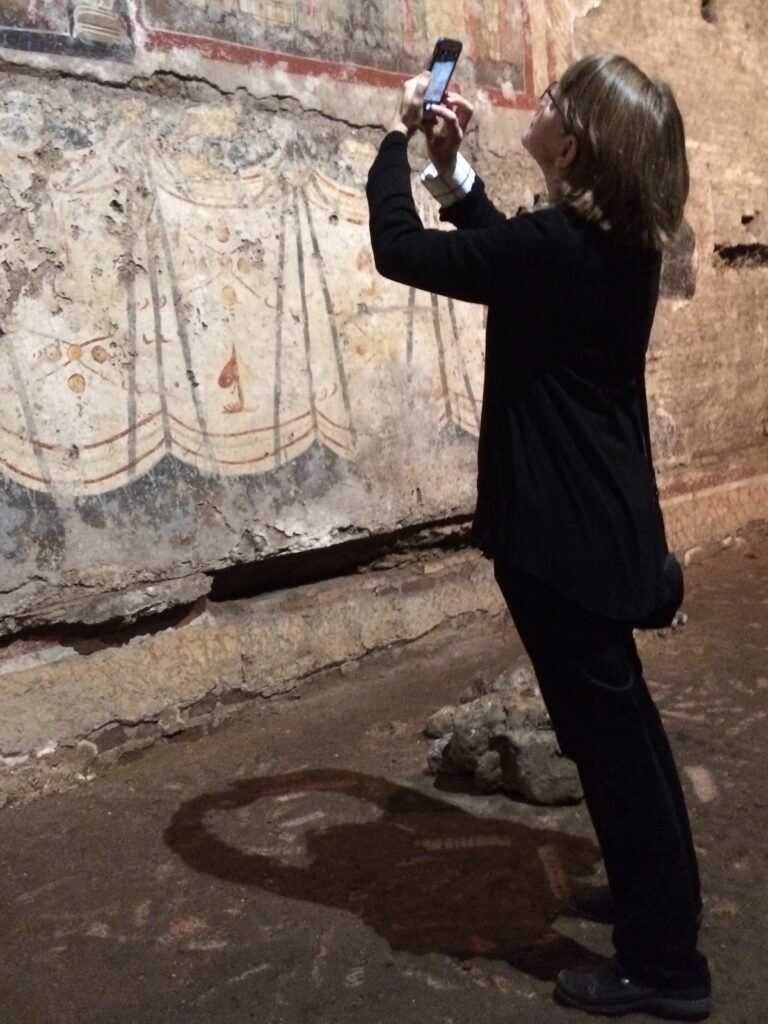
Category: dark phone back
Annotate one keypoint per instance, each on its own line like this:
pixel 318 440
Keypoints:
pixel 444 58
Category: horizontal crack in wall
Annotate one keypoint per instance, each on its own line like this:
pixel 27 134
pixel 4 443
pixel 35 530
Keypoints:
pixel 84 639
pixel 748 254
pixel 170 84
pixel 378 553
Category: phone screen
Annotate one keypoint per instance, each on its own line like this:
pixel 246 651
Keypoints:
pixel 444 59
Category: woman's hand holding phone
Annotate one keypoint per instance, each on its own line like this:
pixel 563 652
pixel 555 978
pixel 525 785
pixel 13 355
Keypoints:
pixel 445 133
pixel 410 111
pixel 426 103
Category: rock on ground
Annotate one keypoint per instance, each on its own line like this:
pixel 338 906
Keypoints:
pixel 501 735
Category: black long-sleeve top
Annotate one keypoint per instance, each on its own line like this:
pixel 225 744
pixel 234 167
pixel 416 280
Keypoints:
pixel 565 492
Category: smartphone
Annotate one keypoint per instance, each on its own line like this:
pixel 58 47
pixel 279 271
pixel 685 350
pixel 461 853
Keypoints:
pixel 444 58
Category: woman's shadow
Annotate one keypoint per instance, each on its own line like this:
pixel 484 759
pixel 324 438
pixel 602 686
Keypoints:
pixel 427 876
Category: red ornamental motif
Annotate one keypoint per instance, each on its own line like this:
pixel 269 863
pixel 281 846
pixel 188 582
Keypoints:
pixel 231 373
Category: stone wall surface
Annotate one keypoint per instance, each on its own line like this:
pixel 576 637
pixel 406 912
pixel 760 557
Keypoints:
pixel 201 368
pixel 64 709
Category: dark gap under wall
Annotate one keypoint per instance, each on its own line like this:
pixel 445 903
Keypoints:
pixel 382 551
pixel 278 572
pixel 88 638
pixel 750 254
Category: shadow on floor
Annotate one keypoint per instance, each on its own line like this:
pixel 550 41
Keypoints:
pixel 427 876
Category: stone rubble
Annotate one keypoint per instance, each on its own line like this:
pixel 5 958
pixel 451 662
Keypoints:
pixel 501 735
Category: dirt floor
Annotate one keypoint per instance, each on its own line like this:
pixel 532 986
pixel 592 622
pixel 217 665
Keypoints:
pixel 298 865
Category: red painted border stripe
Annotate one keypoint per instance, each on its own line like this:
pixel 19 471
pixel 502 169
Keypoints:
pixel 714 482
pixel 353 74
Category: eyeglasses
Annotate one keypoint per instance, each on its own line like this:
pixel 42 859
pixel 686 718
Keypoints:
pixel 549 94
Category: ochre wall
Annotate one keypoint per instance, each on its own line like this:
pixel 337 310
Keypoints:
pixel 201 368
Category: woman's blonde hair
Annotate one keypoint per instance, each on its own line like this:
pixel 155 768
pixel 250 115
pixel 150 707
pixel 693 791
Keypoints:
pixel 630 173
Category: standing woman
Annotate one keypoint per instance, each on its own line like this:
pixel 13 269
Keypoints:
pixel 567 507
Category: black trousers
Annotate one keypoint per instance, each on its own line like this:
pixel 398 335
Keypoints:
pixel 591 679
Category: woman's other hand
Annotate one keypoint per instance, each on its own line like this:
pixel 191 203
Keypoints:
pixel 444 134
pixel 409 114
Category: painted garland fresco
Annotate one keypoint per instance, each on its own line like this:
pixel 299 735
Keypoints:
pixel 212 319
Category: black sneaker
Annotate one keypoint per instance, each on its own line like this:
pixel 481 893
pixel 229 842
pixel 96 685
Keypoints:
pixel 608 992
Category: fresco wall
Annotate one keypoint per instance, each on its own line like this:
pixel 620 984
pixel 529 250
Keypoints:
pixel 200 366
pixel 351 41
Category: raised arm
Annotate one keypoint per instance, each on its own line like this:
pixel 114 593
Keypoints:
pixel 479 264
pixel 476 265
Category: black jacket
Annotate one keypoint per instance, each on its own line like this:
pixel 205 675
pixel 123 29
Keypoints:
pixel 564 488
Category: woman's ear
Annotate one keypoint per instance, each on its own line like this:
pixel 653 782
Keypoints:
pixel 568 151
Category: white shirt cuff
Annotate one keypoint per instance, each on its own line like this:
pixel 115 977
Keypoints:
pixel 449 188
